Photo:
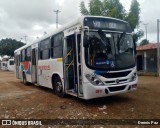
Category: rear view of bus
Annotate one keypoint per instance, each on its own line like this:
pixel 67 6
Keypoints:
pixel 10 65
pixel 109 52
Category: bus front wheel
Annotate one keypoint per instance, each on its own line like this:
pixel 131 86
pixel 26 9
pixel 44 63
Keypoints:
pixel 59 87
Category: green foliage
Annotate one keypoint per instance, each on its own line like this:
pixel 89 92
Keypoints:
pixel 133 16
pixel 8 46
pixel 83 9
pixel 144 42
pixel 138 35
pixel 113 8
pixel 95 7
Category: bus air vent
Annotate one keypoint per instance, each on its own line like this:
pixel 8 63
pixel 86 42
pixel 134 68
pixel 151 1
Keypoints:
pixel 115 74
pixel 119 88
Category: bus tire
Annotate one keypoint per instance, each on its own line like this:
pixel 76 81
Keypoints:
pixel 59 91
pixel 24 79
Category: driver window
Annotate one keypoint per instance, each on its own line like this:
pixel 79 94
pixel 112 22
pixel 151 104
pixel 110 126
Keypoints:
pixel 127 45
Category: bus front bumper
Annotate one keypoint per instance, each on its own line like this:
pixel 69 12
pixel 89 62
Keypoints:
pixel 91 91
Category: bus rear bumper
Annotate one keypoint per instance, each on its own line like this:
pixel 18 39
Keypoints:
pixel 91 91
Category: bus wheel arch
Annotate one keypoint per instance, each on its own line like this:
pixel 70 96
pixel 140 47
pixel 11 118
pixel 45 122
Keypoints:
pixel 57 85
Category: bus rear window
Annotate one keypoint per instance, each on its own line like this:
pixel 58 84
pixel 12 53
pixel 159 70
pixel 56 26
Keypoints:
pixel 11 62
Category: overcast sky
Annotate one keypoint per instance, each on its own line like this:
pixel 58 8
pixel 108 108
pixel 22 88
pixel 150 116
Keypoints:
pixel 34 17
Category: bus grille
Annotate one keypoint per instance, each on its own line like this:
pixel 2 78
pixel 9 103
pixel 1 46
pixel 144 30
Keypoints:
pixel 119 88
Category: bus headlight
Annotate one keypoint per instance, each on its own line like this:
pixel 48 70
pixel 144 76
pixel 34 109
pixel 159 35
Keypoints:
pixel 133 77
pixel 94 80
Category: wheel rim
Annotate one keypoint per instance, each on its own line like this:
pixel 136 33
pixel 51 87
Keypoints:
pixel 59 87
pixel 24 79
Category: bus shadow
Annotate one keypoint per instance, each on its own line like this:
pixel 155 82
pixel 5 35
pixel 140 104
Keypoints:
pixel 41 88
pixel 110 100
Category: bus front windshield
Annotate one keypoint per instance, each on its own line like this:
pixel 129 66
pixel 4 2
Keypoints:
pixel 109 51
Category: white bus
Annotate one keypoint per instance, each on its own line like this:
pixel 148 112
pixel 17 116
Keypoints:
pixel 89 58
pixel 10 65
pixel 4 65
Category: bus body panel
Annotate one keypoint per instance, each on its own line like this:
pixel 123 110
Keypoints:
pixel 94 91
pixel 25 68
pixel 91 91
pixel 72 30
pixel 47 68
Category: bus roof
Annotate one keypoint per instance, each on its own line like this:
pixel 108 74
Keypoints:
pixel 64 27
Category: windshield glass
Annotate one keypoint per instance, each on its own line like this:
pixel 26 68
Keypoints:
pixel 109 51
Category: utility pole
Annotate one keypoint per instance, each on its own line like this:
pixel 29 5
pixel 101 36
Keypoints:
pixel 146 29
pixel 25 37
pixel 57 11
pixel 158 49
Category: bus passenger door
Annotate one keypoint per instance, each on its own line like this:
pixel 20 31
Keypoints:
pixel 72 67
pixel 34 65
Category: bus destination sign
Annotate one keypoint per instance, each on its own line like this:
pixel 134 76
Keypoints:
pixel 104 23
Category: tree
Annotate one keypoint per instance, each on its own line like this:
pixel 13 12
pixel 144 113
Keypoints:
pixel 113 8
pixel 8 46
pixel 83 9
pixel 144 42
pixel 95 7
pixel 133 19
pixel 138 35
pixel 133 16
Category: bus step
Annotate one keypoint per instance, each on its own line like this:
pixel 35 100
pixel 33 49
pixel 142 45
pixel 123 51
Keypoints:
pixel 72 93
pixel 36 84
pixel 71 90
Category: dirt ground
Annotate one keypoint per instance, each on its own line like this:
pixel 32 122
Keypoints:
pixel 31 102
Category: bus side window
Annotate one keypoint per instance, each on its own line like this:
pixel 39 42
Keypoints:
pixel 52 45
pixel 45 49
pixel 23 55
pixel 40 56
pixel 79 43
pixel 56 46
pixel 28 54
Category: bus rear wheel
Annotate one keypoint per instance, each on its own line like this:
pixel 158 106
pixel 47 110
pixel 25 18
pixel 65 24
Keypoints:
pixel 59 87
pixel 24 79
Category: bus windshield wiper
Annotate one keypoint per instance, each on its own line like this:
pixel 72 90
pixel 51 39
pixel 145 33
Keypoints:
pixel 122 37
pixel 103 37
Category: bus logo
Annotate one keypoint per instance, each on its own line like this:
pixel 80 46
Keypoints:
pixel 112 64
pixel 117 81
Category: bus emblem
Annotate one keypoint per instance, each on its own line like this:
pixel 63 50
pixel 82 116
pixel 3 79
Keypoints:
pixel 117 81
pixel 112 64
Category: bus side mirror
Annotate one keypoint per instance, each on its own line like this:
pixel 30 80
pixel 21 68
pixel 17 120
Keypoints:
pixel 135 46
pixel 86 41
